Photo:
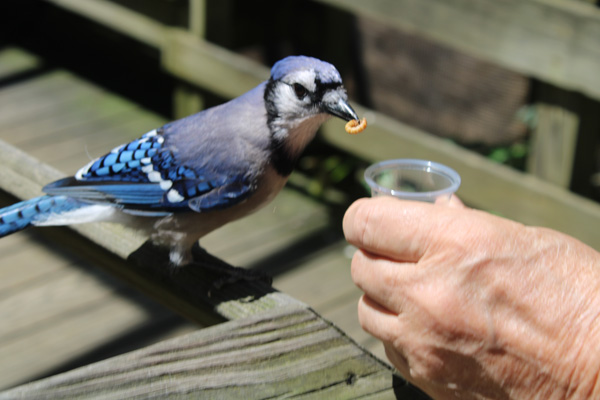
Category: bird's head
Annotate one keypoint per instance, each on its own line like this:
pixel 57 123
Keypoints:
pixel 302 93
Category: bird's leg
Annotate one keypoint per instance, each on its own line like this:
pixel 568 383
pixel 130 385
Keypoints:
pixel 213 269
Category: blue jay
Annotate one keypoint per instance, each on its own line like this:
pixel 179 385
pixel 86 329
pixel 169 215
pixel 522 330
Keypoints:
pixel 191 176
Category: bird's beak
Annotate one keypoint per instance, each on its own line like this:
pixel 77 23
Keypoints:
pixel 339 107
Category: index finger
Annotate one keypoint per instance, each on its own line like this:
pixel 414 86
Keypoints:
pixel 398 229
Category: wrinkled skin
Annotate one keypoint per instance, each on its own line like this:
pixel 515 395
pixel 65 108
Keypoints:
pixel 470 305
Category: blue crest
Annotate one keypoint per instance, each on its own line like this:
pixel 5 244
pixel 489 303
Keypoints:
pixel 326 72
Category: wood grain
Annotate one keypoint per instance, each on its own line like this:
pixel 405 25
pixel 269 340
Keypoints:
pixel 285 352
pixel 553 40
pixel 16 61
pixel 553 144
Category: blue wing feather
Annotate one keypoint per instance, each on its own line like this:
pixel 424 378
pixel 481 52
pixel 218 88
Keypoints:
pixel 124 163
pixel 145 175
pixel 222 197
pixel 114 192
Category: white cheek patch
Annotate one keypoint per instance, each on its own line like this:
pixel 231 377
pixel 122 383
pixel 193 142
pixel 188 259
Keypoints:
pixel 287 102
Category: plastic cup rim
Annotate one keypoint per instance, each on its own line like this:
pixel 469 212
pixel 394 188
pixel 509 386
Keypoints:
pixel 414 164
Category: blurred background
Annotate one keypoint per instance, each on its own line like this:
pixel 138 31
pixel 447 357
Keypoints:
pixel 403 73
pixel 505 92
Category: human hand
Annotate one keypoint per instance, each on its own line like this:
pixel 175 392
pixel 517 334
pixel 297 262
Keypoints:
pixel 471 305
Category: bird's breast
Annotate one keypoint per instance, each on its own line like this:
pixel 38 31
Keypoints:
pixel 268 185
pixel 195 225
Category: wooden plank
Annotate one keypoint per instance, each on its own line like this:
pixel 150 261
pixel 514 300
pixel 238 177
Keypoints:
pixel 61 340
pixel 51 81
pixel 96 139
pixel 62 317
pixel 12 245
pixel 32 99
pixel 346 319
pixel 211 63
pixel 553 40
pixel 56 308
pixel 289 218
pixel 14 60
pixel 287 352
pixel 428 85
pixel 552 144
pixel 197 17
pixel 59 104
pixel 74 116
pixel 96 130
pixel 324 282
pixel 324 277
pixel 485 185
pixel 183 54
pixel 81 121
pixel 119 18
pixel 72 290
pixel 15 273
pixel 209 66
pixel 186 101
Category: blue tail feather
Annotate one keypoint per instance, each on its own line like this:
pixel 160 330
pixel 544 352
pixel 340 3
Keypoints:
pixel 21 215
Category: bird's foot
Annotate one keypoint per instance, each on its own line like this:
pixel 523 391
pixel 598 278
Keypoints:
pixel 226 274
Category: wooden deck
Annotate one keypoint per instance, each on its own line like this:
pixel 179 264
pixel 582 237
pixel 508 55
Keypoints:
pixel 60 310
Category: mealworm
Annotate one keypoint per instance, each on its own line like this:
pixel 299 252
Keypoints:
pixel 355 126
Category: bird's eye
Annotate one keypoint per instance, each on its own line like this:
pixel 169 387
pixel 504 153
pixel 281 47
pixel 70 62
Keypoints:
pixel 300 91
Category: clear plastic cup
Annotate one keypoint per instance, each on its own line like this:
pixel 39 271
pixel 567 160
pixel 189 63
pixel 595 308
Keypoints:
pixel 409 179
